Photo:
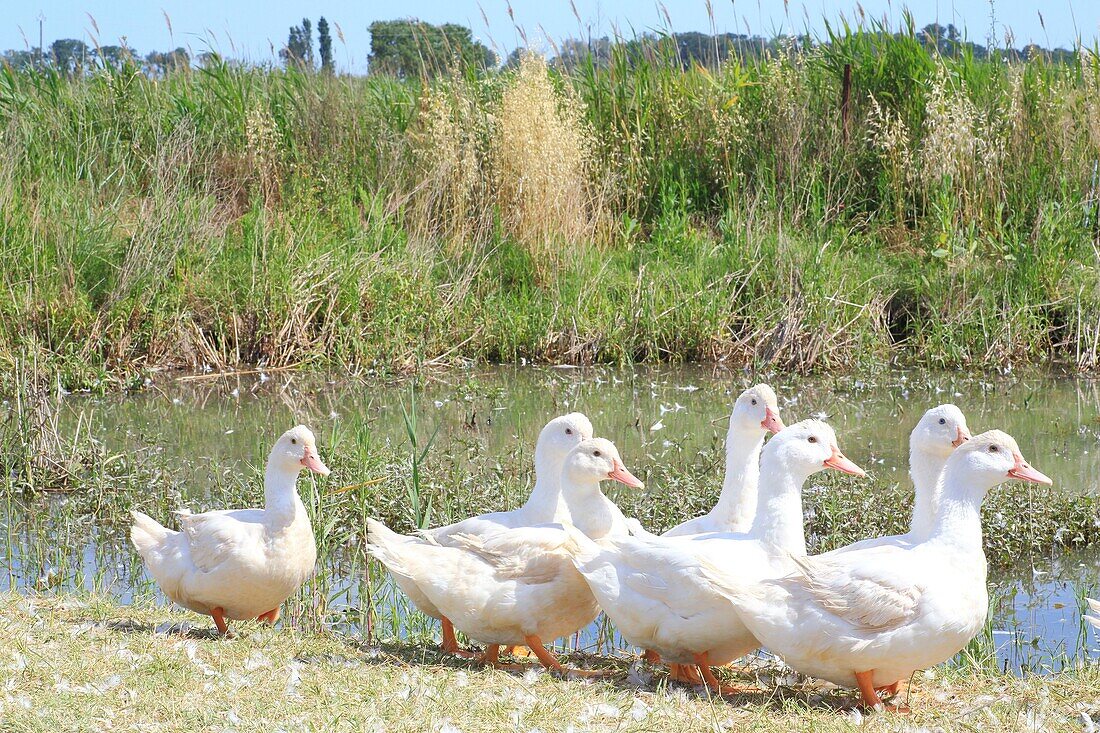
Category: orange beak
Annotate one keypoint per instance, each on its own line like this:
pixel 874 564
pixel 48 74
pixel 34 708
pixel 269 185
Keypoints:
pixel 312 461
pixel 1024 472
pixel 771 422
pixel 963 435
pixel 623 476
pixel 841 463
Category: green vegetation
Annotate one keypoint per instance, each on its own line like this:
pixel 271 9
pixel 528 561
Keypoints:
pixel 624 207
pixel 87 664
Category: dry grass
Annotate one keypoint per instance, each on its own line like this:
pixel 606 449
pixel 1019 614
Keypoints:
pixel 544 150
pixel 90 665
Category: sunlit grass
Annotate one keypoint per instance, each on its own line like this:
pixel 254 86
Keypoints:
pixel 236 215
pixel 86 663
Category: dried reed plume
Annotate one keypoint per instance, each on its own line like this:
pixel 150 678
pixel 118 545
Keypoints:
pixel 543 151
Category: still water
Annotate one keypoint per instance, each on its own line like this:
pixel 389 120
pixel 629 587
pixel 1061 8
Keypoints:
pixel 205 428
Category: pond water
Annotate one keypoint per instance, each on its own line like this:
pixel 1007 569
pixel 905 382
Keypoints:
pixel 205 428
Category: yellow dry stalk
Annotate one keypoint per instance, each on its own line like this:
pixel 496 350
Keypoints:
pixel 949 141
pixel 543 149
pixel 450 146
pixel 262 142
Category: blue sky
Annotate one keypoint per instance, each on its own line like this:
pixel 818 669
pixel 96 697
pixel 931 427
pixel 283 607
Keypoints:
pixel 250 29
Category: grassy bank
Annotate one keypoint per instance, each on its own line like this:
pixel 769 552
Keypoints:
pixel 87 664
pixel 624 209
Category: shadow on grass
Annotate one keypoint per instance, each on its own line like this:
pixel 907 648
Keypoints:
pixel 628 674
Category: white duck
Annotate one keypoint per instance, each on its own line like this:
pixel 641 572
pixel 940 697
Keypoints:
pixel 517 586
pixel 545 504
pixel 938 433
pixel 754 415
pixel 239 564
pixel 1094 606
pixel 654 590
pixel 868 618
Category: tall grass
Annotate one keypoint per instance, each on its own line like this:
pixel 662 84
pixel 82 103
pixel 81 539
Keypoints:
pixel 617 209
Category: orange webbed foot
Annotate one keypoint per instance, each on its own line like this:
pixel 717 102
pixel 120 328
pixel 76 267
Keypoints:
pixel 713 682
pixel 869 694
pixel 685 673
pixel 491 658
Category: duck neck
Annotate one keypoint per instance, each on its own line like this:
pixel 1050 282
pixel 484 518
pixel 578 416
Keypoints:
pixel 925 468
pixel 737 503
pixel 545 504
pixel 281 501
pixel 958 520
pixel 588 509
pixel 779 511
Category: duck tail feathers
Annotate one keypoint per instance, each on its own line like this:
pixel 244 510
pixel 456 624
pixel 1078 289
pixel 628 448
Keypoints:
pixel 147 534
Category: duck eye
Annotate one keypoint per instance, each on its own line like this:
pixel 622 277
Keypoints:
pixel 754 402
pixel 942 421
pixel 294 441
pixel 596 453
pixel 993 449
pixel 812 438
pixel 569 431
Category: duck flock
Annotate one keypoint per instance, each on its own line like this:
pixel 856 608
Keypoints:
pixel 703 594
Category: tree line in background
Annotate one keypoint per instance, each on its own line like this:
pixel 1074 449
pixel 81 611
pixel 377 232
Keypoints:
pixel 410 48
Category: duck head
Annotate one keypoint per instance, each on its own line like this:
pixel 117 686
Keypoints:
pixel 596 460
pixel 756 409
pixel 561 435
pixel 940 431
pixel 991 458
pixel 810 446
pixel 296 450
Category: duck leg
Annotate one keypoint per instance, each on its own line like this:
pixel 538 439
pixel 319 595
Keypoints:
pixel 218 614
pixel 870 696
pixel 551 662
pixel 491 658
pixel 684 673
pixel 652 657
pixel 703 660
pixel 450 641
pixel 891 689
pixel 269 617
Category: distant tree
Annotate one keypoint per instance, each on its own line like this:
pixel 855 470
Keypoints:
pixel 512 62
pixel 324 43
pixel 408 48
pixel 114 56
pixel 574 52
pixel 209 59
pixel 161 64
pixel 69 56
pixel 307 39
pixel 21 60
pixel 299 45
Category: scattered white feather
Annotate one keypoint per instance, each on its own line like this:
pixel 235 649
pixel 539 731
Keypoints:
pixel 256 660
pixel 293 680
